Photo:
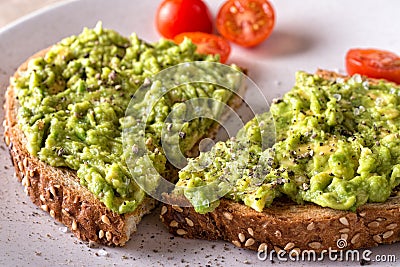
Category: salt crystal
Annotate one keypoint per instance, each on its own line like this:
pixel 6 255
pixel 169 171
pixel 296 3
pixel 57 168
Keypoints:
pixel 357 78
pixel 378 101
pixel 365 84
pixel 102 253
pixel 337 96
pixel 339 80
pixel 63 229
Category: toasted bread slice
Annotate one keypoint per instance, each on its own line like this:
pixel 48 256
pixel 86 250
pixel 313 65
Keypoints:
pixel 287 225
pixel 59 192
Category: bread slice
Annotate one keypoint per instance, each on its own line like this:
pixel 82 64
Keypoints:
pixel 287 225
pixel 59 192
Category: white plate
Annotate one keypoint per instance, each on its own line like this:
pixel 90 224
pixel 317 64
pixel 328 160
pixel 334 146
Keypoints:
pixel 309 34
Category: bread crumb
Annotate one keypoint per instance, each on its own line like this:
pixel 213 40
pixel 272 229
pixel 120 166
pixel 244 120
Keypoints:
pixel 102 253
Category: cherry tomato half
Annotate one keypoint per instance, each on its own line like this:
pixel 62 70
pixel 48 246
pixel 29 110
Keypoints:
pixel 374 63
pixel 207 44
pixel 246 22
pixel 177 16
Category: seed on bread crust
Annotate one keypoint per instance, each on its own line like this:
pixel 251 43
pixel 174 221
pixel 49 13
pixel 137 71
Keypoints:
pixel 189 222
pixel 25 162
pixel 20 167
pixel 173 223
pixel 52 191
pixel 105 219
pixel 344 221
pixel 373 224
pixel 181 232
pixel 262 247
pixel 108 235
pixel 177 208
pixel 315 245
pixel 52 213
pixel 344 230
pixel 362 214
pixel 387 234
pixel 45 207
pixel 237 243
pixel 24 181
pixel 241 237
pixel 289 246
pixel 41 197
pixel 310 226
pixel 65 212
pixel 251 232
pixel 26 174
pixel 164 210
pixel 228 215
pixel 377 238
pixel 278 233
pixel 391 226
pixel 249 242
pixel 74 225
pixel 76 199
pixel 101 234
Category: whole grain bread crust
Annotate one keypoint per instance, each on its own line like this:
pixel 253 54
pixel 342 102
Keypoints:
pixel 58 191
pixel 287 225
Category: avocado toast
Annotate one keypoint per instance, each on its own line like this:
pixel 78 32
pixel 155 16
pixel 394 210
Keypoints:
pixel 332 174
pixel 93 215
pixel 63 125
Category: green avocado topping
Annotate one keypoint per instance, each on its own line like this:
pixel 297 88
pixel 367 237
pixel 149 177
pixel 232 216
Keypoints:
pixel 73 102
pixel 337 145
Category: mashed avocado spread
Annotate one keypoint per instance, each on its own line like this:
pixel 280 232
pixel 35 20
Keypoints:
pixel 337 145
pixel 73 101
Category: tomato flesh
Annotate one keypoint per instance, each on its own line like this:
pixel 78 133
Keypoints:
pixel 207 44
pixel 177 16
pixel 246 22
pixel 374 63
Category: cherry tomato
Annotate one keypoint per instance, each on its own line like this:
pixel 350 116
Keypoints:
pixel 374 63
pixel 207 44
pixel 177 16
pixel 246 22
